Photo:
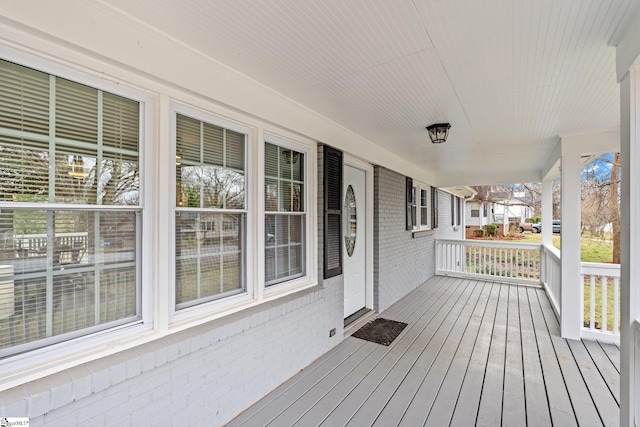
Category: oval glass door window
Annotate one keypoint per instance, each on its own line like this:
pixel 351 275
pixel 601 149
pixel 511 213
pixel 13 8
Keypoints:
pixel 350 226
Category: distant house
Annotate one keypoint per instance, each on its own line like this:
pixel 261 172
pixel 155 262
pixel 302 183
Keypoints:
pixel 500 207
pixel 478 213
pixel 513 206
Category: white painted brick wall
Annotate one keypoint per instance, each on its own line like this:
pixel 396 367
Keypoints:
pixel 194 377
pixel 402 262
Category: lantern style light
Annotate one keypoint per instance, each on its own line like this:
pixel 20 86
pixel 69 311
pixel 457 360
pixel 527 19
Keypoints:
pixel 439 132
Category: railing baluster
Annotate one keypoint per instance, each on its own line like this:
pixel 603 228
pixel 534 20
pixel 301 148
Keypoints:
pixel 616 305
pixel 603 324
pixel 453 257
pixel 582 285
pixel 592 301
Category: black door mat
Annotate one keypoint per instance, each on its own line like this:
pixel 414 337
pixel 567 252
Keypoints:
pixel 380 331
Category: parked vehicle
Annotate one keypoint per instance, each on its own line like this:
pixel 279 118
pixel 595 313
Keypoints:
pixel 537 228
pixel 525 226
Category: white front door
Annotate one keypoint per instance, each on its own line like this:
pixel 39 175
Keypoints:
pixel 353 239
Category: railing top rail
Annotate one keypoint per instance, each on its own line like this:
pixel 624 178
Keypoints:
pixel 552 251
pixel 44 235
pixel 491 243
pixel 600 269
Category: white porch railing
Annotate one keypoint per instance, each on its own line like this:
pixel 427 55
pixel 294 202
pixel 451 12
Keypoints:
pixel 509 262
pixel 551 277
pixel 537 264
pixel 600 292
pixel 31 245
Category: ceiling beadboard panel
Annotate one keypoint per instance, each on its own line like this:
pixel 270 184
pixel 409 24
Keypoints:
pixel 289 44
pixel 402 96
pixel 474 40
pixel 510 76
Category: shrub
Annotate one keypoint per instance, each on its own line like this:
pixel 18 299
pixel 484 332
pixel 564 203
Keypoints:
pixel 478 232
pixel 534 219
pixel 491 229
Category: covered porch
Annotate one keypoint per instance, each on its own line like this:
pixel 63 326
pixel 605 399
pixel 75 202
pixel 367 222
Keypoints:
pixel 291 106
pixel 475 352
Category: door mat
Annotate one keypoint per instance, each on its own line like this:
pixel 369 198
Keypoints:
pixel 380 331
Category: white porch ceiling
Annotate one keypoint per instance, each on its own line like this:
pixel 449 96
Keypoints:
pixel 509 75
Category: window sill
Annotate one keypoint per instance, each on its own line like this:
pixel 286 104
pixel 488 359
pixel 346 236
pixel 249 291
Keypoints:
pixel 36 364
pixel 415 234
pixel 21 369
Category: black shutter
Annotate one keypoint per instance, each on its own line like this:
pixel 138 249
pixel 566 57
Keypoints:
pixel 332 212
pixel 459 203
pixel 453 210
pixel 434 207
pixel 410 220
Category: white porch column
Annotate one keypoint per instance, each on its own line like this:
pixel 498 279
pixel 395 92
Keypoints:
pixel 628 71
pixel 572 147
pixel 570 297
pixel 629 250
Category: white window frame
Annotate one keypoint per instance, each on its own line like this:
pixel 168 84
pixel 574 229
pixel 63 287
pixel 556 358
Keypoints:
pixel 256 291
pixel 456 210
pixel 221 305
pixel 42 361
pixel 309 278
pixel 418 187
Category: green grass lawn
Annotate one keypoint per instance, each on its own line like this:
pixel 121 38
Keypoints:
pixel 591 249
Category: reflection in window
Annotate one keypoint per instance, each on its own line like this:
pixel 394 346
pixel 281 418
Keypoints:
pixel 209 165
pixel 71 270
pixel 210 214
pixel 66 272
pixel 284 214
pixel 424 207
pixel 209 258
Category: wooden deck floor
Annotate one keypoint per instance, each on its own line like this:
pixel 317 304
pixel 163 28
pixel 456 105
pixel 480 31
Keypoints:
pixel 474 353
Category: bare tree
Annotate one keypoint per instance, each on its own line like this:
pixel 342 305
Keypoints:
pixel 601 198
pixel 614 205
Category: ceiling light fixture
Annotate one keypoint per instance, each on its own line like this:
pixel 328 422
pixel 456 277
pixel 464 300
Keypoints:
pixel 439 132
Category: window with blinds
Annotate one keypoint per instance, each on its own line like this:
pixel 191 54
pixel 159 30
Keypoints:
pixel 67 269
pixel 210 211
pixel 418 207
pixel 424 207
pixel 285 214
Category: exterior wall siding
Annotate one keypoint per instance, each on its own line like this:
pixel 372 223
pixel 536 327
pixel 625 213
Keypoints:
pixel 402 260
